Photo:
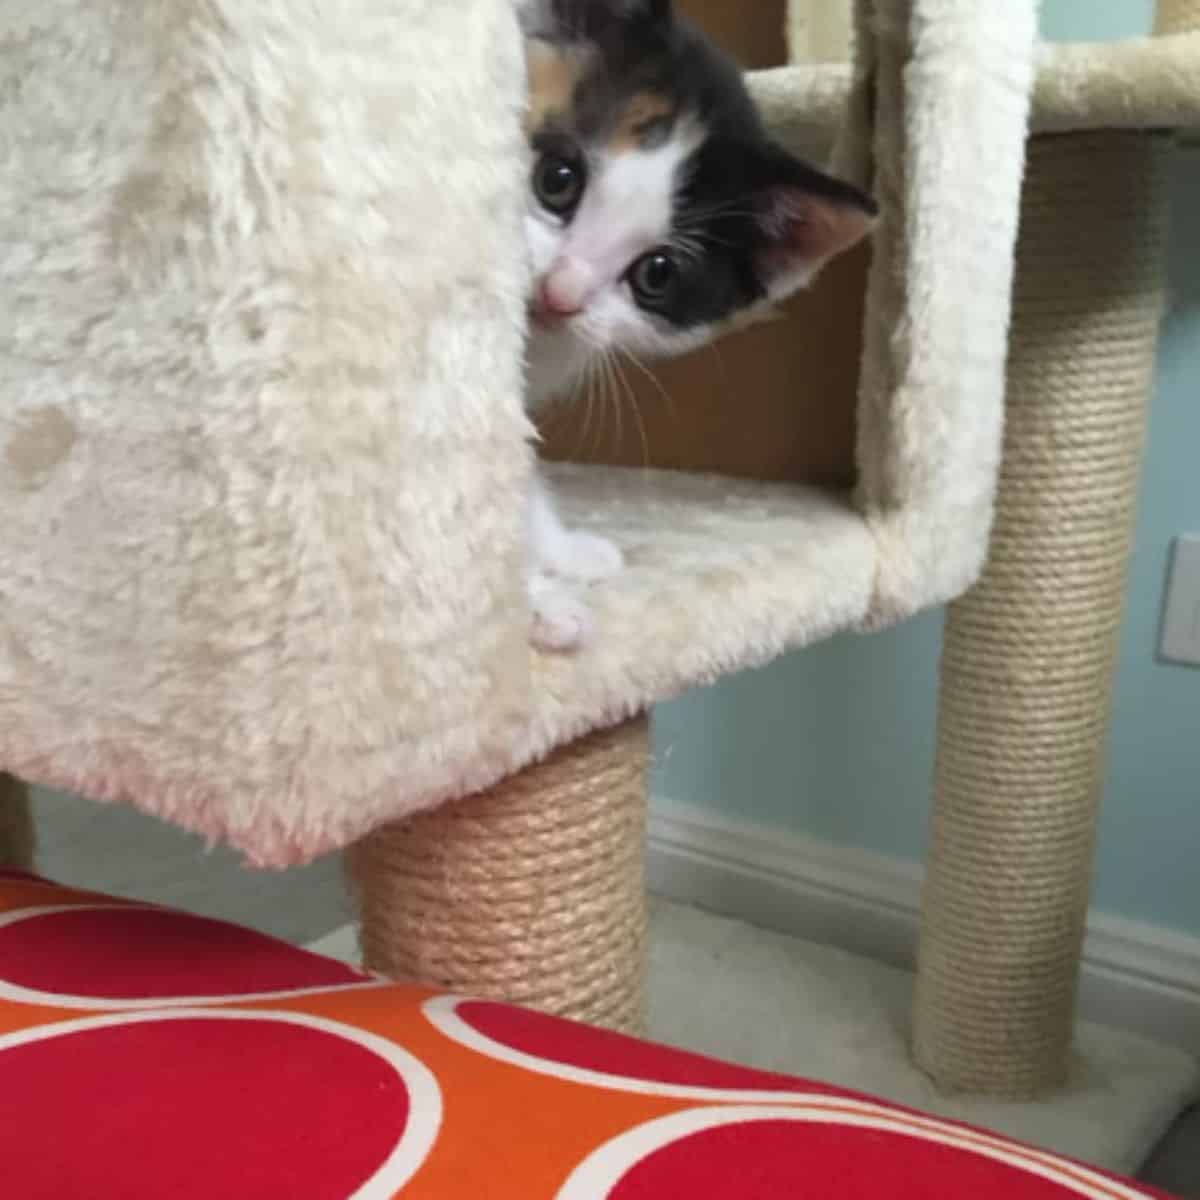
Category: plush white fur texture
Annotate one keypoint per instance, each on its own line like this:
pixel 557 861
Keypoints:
pixel 720 575
pixel 263 454
pixel 952 81
pixel 1141 83
pixel 804 106
pixel 820 31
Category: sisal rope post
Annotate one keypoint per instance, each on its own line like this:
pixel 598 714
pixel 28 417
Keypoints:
pixel 532 893
pixel 16 825
pixel 1029 654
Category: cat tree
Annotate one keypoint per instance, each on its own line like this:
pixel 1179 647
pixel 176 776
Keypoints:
pixel 1030 652
pixel 264 459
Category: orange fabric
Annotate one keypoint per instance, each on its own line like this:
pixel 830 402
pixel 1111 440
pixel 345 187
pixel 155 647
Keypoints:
pixel 458 1099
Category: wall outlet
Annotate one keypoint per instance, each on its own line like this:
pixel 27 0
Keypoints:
pixel 1181 615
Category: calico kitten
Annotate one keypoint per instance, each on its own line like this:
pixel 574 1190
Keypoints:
pixel 660 215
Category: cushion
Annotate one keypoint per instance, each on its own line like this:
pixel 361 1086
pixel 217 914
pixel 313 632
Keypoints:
pixel 146 1053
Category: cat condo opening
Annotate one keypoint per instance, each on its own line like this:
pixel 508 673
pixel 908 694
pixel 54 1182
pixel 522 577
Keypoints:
pixel 264 464
pixel 776 401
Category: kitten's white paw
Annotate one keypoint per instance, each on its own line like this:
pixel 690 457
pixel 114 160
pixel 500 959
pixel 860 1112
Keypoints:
pixel 585 557
pixel 562 622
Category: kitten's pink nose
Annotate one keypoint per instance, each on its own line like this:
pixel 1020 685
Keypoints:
pixel 566 288
pixel 555 303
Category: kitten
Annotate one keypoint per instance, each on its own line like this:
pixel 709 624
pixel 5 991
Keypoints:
pixel 660 215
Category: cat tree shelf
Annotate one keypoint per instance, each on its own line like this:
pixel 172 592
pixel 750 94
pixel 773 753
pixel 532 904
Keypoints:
pixel 1140 83
pixel 722 574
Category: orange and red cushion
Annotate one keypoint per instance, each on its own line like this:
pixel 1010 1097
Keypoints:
pixel 147 1054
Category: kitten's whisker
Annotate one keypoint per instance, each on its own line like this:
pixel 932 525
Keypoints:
pixel 654 379
pixel 703 238
pixel 560 408
pixel 603 404
pixel 631 395
pixel 727 208
pixel 601 398
pixel 611 396
pixel 715 347
pixel 590 375
pixel 596 361
pixel 610 363
pixel 687 246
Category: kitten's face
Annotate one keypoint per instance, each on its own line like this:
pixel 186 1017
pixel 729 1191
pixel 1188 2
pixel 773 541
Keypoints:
pixel 660 213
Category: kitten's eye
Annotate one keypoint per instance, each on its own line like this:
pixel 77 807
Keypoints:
pixel 653 277
pixel 558 183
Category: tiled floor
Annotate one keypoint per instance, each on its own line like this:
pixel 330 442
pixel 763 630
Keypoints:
pixel 119 851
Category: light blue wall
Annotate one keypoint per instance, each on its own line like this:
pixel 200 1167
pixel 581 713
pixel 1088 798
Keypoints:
pixel 837 742
pixel 1095 20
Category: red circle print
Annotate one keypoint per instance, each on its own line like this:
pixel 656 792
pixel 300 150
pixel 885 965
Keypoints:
pixel 782 1160
pixel 195 1109
pixel 567 1044
pixel 132 953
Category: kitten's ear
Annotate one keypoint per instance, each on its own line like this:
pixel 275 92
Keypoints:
pixel 809 218
pixel 590 18
pixel 658 12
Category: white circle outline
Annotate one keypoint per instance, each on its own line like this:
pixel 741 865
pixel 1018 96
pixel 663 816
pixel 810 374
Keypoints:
pixel 35 996
pixel 424 1095
pixel 603 1169
pixel 442 1013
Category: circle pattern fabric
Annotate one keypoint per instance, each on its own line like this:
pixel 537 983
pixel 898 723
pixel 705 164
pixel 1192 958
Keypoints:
pixel 127 953
pixel 193 1087
pixel 145 1053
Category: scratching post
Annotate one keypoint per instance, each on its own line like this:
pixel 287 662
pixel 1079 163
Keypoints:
pixel 532 893
pixel 16 824
pixel 1029 653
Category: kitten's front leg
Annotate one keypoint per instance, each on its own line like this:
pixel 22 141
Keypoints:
pixel 561 559
pixel 562 621
pixel 568 553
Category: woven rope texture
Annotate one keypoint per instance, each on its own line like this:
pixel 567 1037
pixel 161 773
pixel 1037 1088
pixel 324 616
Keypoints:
pixel 532 893
pixel 1029 654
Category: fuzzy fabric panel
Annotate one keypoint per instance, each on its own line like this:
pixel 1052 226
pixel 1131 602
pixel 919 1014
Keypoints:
pixel 723 575
pixel 1150 83
pixel 263 454
pixel 819 31
pixel 952 87
pixel 804 106
pixel 1142 83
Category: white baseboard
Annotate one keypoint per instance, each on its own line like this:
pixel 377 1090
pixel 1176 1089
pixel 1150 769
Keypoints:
pixel 1135 976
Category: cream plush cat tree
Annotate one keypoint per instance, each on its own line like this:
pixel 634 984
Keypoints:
pixel 263 461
